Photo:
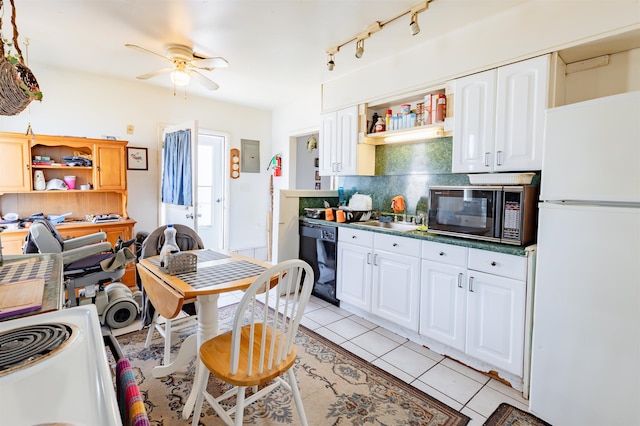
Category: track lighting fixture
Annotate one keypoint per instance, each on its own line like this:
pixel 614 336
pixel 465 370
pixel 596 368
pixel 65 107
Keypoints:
pixel 377 26
pixel 331 63
pixel 415 28
pixel 359 48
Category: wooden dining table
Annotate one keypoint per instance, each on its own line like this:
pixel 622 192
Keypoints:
pixel 218 271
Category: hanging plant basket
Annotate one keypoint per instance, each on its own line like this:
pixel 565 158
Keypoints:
pixel 18 85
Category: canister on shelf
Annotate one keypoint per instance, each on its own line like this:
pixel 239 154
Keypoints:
pixel 427 110
pixel 405 109
pixel 441 107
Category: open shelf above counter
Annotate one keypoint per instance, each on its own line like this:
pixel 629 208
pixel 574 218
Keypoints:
pixel 411 133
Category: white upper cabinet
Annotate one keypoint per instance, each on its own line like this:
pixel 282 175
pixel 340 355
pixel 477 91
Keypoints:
pixel 500 118
pixel 474 127
pixel 338 148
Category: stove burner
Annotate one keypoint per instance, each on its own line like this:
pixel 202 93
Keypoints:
pixel 27 345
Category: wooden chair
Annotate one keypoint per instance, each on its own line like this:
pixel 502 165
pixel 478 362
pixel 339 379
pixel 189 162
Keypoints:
pixel 259 348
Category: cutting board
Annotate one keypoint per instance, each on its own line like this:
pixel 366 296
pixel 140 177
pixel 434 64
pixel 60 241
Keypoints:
pixel 20 297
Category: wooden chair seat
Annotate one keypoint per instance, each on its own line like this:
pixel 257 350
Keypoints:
pixel 215 355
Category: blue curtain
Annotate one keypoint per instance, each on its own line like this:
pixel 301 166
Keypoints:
pixel 176 177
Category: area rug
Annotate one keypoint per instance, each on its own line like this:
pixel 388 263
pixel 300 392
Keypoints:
pixel 508 415
pixel 337 387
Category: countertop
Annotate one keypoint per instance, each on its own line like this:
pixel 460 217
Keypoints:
pixel 427 236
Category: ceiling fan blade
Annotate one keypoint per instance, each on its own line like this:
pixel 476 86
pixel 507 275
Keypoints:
pixel 142 49
pixel 154 73
pixel 204 81
pixel 210 63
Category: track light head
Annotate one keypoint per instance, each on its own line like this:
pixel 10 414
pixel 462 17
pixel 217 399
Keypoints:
pixel 413 26
pixel 331 64
pixel 359 48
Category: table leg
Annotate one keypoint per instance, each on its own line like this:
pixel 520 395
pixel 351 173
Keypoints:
pixel 208 327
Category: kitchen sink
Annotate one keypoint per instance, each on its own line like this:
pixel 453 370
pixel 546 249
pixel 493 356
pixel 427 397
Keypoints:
pixel 394 226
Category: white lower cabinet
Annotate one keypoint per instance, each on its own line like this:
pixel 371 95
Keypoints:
pixel 380 274
pixel 495 321
pixel 443 303
pixel 474 301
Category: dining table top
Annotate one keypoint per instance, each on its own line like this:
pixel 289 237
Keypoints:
pixel 218 271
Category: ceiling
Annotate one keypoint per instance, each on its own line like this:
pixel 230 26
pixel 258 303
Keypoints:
pixel 276 49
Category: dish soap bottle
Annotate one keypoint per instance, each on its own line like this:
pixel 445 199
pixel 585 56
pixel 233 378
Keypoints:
pixel 169 247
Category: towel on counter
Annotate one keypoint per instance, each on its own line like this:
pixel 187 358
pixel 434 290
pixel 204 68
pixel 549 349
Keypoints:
pixel 397 204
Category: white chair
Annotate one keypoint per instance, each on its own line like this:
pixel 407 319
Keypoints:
pixel 259 348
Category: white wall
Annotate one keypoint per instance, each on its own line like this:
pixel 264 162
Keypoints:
pixel 77 104
pixel 620 75
pixel 527 30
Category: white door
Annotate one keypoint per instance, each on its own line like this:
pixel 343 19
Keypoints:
pixel 443 303
pixel 172 213
pixel 210 195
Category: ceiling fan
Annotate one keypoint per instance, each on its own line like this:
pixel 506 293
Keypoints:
pixel 185 63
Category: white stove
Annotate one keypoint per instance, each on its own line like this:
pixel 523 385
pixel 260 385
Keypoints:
pixel 65 377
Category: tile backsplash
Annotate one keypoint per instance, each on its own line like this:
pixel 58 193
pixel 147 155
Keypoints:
pixel 406 170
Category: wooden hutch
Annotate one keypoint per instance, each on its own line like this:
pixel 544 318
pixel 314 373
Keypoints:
pixel 107 175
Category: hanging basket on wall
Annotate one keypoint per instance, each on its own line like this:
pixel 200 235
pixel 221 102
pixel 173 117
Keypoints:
pixel 18 85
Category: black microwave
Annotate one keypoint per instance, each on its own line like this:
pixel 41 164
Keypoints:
pixel 502 214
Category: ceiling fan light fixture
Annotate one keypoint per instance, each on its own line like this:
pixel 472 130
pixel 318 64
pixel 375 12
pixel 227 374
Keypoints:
pixel 180 78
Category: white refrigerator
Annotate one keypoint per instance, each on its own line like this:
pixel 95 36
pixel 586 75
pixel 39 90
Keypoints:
pixel 585 360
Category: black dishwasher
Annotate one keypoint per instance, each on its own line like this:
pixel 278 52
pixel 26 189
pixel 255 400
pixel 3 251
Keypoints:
pixel 318 247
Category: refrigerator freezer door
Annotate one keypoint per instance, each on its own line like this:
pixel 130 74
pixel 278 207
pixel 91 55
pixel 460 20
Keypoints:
pixel 592 150
pixel 585 366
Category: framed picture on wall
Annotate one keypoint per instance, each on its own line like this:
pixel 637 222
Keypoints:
pixel 317 175
pixel 317 162
pixel 318 185
pixel 137 158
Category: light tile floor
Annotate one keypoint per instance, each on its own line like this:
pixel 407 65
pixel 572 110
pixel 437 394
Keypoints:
pixel 458 386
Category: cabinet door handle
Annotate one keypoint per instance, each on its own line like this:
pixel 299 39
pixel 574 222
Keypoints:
pixel 471 279
pixel 441 253
pixel 486 159
pixel 460 280
pixel 493 263
pixel 26 166
pixel 375 260
pixel 395 244
pixel 354 237
pixel 499 158
pixel 368 258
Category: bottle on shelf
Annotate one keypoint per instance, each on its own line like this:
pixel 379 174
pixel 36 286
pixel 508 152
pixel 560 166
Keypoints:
pixel 387 121
pixel 169 247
